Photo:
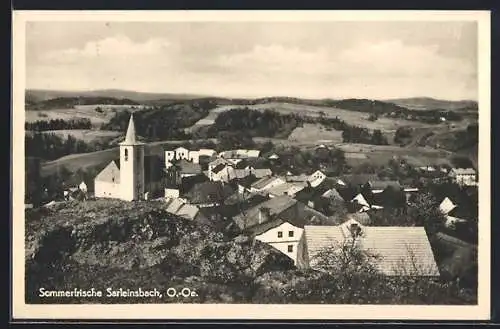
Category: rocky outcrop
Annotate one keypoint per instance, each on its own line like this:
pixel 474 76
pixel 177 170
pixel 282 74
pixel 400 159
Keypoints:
pixel 98 241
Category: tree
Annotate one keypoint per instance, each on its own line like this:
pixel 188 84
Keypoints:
pixel 378 138
pixel 424 211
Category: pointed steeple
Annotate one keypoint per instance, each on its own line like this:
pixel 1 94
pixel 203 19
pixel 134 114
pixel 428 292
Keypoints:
pixel 130 137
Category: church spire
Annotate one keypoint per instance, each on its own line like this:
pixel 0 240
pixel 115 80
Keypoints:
pixel 130 137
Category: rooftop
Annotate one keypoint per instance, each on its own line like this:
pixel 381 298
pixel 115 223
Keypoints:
pixel 397 250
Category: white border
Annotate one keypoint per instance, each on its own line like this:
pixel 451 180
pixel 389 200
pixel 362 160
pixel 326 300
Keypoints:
pixel 250 311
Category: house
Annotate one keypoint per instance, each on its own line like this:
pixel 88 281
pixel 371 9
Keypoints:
pixel 216 166
pixel 361 202
pixel 288 188
pixel 279 208
pixel 182 153
pixel 83 187
pixel 395 251
pixel 133 174
pixel 188 169
pixel 379 186
pixel 209 194
pixel 333 194
pixel 283 236
pixel 355 180
pixel 316 178
pixel 463 176
pixel 273 156
pixel 239 154
pixel 179 208
pixel 446 206
pixel 223 172
pixel 266 183
pixel 456 258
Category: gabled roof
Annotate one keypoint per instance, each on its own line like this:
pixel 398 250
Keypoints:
pixel 397 250
pixel 275 205
pixel 209 192
pixel 333 194
pixel 361 200
pixel 283 189
pixel 110 174
pixel 261 183
pixel 360 179
pixel 187 167
pixel 446 205
pixel 181 209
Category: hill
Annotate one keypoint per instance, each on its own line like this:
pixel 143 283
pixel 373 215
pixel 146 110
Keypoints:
pixel 38 95
pixel 71 102
pixel 427 103
pixel 118 244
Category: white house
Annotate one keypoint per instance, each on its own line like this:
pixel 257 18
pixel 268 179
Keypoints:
pixel 446 206
pixel 316 178
pixel 462 176
pixel 182 153
pixel 83 187
pixel 285 237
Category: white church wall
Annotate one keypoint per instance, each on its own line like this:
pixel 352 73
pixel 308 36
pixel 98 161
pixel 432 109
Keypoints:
pixel 106 190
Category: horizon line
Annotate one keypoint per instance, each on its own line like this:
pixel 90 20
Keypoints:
pixel 202 95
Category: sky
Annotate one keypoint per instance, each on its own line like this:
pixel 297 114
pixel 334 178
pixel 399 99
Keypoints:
pixel 377 60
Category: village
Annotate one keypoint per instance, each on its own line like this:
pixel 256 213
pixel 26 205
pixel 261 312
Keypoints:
pixel 298 213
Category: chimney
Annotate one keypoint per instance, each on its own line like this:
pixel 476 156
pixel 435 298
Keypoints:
pixel 264 215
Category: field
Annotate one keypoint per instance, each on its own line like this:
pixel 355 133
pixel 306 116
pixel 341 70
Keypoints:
pixel 79 112
pixel 88 160
pixel 315 132
pixel 357 154
pixel 87 135
pixel 350 117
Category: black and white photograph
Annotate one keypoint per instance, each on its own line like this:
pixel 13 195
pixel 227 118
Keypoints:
pixel 195 159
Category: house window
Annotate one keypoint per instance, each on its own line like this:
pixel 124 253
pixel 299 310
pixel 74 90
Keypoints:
pixel 126 154
pixel 290 248
pixel 280 234
pixel 290 234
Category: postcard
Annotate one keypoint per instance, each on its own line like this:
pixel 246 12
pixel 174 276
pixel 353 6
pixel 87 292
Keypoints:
pixel 251 165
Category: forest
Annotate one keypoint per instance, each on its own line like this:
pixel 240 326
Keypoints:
pixel 58 124
pixel 162 122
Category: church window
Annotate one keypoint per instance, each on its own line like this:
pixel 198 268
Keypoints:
pixel 126 154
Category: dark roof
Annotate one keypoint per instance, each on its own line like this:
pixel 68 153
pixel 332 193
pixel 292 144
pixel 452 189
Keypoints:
pixel 218 168
pixel 187 167
pixel 247 180
pixel 282 207
pixel 383 184
pixel 208 192
pixel 275 205
pixel 358 179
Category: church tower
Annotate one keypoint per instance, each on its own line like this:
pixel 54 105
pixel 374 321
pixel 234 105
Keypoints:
pixel 131 165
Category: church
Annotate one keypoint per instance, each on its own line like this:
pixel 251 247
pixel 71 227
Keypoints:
pixel 134 175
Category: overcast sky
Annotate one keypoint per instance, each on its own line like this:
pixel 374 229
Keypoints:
pixel 376 60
